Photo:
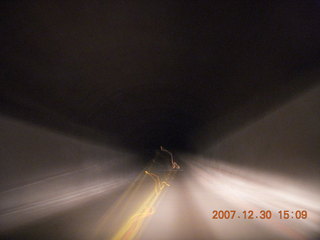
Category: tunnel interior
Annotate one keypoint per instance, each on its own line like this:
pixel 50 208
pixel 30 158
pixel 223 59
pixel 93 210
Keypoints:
pixel 82 80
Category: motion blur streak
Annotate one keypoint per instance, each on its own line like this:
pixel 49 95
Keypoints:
pixel 45 172
pixel 174 164
pixel 219 186
pixel 158 184
pixel 55 194
pixel 133 226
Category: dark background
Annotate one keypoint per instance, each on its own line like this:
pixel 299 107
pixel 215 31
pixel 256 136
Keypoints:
pixel 142 74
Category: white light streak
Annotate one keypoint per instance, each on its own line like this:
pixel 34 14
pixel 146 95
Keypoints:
pixel 55 194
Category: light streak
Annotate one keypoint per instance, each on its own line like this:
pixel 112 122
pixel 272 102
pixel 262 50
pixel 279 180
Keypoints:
pixel 159 185
pixel 174 164
pixel 53 195
pixel 133 225
pixel 239 188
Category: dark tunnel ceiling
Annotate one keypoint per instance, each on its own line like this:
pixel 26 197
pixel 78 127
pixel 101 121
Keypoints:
pixel 153 72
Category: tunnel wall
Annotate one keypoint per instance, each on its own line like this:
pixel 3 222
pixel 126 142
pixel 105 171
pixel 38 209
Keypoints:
pixel 45 172
pixel 285 140
pixel 29 153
